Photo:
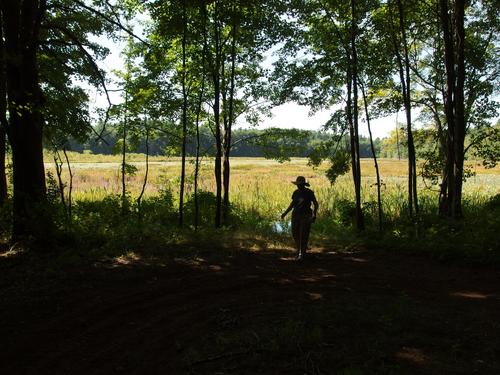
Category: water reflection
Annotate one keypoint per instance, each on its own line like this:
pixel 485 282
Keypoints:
pixel 281 226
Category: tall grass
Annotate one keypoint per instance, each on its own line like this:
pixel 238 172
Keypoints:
pixel 264 186
pixel 261 189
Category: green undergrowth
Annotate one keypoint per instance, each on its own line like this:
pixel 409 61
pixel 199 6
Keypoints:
pixel 111 227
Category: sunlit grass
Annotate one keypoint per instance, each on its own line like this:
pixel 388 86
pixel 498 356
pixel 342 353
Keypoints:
pixel 264 186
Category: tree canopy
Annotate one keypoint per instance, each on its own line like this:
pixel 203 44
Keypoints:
pixel 198 66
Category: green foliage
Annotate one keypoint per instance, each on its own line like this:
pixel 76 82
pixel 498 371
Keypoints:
pixel 340 164
pixel 6 219
pixel 344 212
pixel 67 58
pixel 53 191
pixel 489 150
pixel 280 144
pixel 206 206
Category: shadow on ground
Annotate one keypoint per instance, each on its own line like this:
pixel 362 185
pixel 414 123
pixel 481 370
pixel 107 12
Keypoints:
pixel 249 308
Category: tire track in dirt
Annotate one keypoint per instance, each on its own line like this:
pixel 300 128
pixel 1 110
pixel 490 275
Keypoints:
pixel 144 319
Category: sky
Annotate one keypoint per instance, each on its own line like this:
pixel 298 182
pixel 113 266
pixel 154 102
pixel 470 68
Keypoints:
pixel 288 115
pixel 292 115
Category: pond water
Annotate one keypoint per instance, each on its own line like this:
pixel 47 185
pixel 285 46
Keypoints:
pixel 281 226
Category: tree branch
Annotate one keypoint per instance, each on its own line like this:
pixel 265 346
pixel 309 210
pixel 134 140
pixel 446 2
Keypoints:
pixel 110 20
pixel 90 59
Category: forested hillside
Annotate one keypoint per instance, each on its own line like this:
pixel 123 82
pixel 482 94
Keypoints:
pixel 247 143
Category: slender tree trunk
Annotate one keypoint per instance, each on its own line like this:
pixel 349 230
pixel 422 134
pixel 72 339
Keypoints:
pixel 377 173
pixel 124 155
pixel 184 118
pixel 449 61
pixel 198 114
pixel 21 22
pixel 218 138
pixel 397 139
pixel 452 23
pixel 227 133
pixel 3 116
pixel 3 175
pixel 58 163
pixel 353 69
pixel 197 160
pixel 412 164
pixel 404 72
pixel 145 181
pixel 459 104
pixel 70 188
pixel 443 189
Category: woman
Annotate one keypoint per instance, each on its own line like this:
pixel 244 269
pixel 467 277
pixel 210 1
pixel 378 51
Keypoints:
pixel 302 214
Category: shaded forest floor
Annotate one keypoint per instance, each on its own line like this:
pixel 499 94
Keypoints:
pixel 245 309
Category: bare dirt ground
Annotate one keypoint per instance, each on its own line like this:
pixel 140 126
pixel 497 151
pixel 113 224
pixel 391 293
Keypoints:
pixel 250 312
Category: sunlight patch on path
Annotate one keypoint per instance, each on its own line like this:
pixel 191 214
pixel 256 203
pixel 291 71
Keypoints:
pixel 472 295
pixel 314 296
pixel 413 355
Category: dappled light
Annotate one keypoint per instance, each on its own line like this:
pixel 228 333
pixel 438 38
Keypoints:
pixel 473 295
pixel 284 281
pixel 128 258
pixel 9 253
pixel 239 307
pixel 215 267
pixel 358 260
pixel 314 296
pixel 166 208
pixel 413 355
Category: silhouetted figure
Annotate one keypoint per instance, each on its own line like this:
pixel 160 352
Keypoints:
pixel 302 214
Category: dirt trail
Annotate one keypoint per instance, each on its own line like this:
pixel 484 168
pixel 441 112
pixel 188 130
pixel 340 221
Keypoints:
pixel 256 313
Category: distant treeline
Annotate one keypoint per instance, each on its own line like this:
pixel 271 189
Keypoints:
pixel 246 143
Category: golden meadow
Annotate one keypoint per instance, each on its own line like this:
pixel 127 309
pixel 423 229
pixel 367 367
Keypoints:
pixel 263 186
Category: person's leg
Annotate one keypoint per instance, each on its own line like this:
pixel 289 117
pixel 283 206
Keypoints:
pixel 302 233
pixel 296 232
pixel 305 230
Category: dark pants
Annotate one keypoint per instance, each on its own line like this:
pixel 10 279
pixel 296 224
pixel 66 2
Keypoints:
pixel 301 226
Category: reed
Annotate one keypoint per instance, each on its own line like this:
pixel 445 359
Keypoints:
pixel 263 186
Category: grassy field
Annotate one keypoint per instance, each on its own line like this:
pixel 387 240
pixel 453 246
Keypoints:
pixel 262 185
pixel 128 291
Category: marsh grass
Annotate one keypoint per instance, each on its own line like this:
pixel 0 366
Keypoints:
pixel 264 185
pixel 261 189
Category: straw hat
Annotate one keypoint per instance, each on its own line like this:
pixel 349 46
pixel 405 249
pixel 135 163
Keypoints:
pixel 301 180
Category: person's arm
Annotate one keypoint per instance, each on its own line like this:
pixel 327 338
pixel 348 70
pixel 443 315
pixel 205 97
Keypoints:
pixel 316 205
pixel 290 207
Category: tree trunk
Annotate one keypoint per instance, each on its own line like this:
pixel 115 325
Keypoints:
pixel 184 118
pixel 406 88
pixel 448 107
pixel 197 160
pixel 228 130
pixel 454 104
pixel 145 181
pixel 218 138
pixel 459 103
pixel 353 69
pixel 58 164
pixel 198 114
pixel 3 175
pixel 21 22
pixel 70 189
pixel 379 199
pixel 124 155
pixel 3 117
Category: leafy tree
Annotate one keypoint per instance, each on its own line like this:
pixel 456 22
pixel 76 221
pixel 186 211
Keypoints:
pixel 327 71
pixel 51 52
pixel 21 22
